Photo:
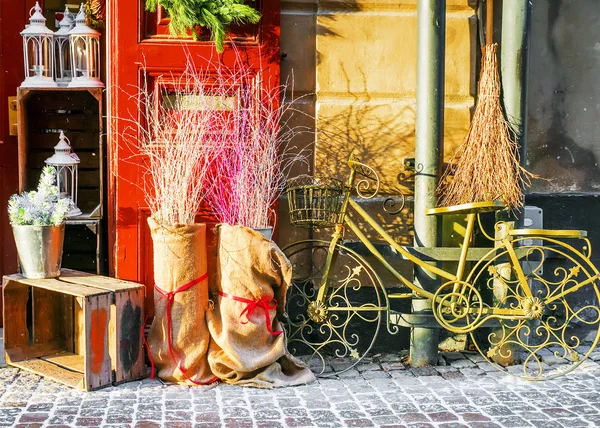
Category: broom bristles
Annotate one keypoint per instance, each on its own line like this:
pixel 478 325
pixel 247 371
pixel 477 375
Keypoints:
pixel 487 162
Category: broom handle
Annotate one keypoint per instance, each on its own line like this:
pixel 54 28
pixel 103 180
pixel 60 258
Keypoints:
pixel 489 22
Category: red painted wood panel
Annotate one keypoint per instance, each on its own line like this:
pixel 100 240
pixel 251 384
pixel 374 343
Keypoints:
pixel 136 37
pixel 13 17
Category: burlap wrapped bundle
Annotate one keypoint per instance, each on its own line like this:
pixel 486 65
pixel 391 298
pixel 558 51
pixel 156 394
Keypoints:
pixel 181 298
pixel 248 345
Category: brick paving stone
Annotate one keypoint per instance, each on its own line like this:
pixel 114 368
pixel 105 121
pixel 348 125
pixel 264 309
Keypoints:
pixel 178 424
pixel 40 407
pixel 359 423
pixel 484 425
pixel 33 417
pixel 442 417
pixel 298 422
pixel 546 424
pixel 474 417
pixel 513 422
pixel 558 412
pixel 88 422
pixel 92 413
pixel 410 418
pixel 238 422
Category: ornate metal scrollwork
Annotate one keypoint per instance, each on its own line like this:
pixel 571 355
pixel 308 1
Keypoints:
pixel 390 203
pixel 560 306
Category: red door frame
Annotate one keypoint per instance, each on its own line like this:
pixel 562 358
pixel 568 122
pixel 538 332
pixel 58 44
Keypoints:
pixel 14 14
pixel 129 245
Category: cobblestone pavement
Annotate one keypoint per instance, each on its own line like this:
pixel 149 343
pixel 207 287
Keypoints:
pixel 381 392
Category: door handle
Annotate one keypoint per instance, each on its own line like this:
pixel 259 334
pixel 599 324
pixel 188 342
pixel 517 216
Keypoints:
pixel 12 116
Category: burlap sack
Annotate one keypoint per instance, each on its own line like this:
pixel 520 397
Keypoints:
pixel 180 258
pixel 245 347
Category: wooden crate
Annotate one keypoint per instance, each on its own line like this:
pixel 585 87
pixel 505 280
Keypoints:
pixel 79 329
pixel 42 114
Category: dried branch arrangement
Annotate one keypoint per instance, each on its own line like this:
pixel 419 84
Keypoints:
pixel 487 162
pixel 173 134
pixel 217 137
pixel 255 154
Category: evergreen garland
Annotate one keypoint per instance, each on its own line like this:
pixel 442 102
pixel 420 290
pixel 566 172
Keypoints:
pixel 216 15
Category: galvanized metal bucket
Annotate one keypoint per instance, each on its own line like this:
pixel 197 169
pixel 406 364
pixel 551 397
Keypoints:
pixel 267 232
pixel 40 250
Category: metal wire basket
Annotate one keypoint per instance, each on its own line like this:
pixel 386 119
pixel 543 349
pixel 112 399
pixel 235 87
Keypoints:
pixel 314 202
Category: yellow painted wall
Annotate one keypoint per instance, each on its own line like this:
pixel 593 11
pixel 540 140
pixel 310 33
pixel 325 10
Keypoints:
pixel 357 62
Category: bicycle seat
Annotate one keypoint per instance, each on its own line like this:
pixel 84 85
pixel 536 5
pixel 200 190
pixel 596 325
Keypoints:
pixel 470 208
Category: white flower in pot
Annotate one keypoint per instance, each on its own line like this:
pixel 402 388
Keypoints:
pixel 37 219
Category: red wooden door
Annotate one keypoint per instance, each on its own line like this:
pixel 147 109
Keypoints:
pixel 13 17
pixel 137 37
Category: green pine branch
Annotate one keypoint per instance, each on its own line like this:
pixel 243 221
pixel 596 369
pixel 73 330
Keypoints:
pixel 216 15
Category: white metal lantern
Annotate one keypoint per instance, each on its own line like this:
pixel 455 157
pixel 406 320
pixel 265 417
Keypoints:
pixel 38 51
pixel 85 54
pixel 66 164
pixel 62 61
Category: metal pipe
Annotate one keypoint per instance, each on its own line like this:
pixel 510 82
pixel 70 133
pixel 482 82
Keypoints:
pixel 431 23
pixel 514 65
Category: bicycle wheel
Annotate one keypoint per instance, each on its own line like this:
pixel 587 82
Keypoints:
pixel 345 325
pixel 562 322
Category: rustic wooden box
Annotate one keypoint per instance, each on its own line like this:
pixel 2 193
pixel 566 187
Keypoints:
pixel 79 329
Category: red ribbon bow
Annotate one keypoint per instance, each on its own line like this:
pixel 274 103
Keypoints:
pixel 251 306
pixel 170 296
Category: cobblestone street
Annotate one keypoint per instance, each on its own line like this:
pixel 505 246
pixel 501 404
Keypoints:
pixel 381 392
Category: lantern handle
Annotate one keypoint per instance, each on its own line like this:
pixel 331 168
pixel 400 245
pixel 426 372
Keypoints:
pixel 62 136
pixel 35 8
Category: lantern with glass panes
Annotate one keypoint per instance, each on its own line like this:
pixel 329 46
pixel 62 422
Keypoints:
pixel 85 54
pixel 65 165
pixel 38 51
pixel 62 61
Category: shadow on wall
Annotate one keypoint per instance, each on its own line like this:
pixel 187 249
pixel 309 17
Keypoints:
pixel 564 107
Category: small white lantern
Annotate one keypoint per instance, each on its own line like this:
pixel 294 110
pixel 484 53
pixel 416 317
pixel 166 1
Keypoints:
pixel 85 54
pixel 38 51
pixel 62 62
pixel 66 164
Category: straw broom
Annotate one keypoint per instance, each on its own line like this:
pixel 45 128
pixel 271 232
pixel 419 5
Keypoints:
pixel 487 162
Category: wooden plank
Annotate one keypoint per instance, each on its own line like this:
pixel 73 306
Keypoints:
pixel 102 282
pixel 129 309
pixel 79 140
pixel 54 284
pixel 66 122
pixel 67 360
pixel 96 312
pixel 15 297
pixel 78 326
pixel 47 316
pixel 28 351
pixel 51 371
pixel 68 326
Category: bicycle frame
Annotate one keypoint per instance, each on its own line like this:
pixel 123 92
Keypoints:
pixel 456 278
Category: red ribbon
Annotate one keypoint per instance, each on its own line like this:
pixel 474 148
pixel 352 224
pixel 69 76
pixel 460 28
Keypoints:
pixel 251 306
pixel 170 296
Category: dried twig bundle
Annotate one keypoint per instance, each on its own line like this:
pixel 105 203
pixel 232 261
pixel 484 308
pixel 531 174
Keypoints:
pixel 254 152
pixel 487 162
pixel 173 137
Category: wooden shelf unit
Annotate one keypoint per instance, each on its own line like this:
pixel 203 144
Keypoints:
pixel 42 114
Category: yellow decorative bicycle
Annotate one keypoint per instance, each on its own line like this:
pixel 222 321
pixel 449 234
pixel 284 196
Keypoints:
pixel 530 304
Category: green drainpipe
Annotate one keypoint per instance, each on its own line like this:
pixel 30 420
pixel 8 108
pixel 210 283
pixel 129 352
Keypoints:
pixel 514 55
pixel 431 39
